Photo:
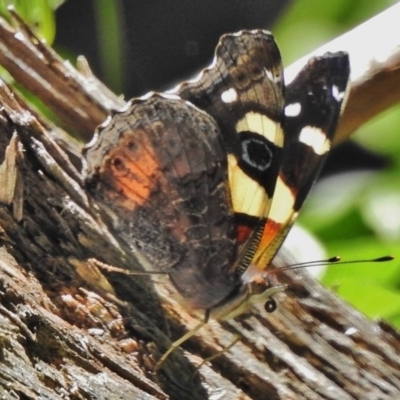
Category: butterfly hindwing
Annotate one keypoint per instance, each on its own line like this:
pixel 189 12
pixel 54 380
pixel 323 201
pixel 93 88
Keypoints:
pixel 159 170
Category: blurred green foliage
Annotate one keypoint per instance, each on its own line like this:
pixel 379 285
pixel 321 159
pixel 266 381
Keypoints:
pixel 109 39
pixel 38 13
pixel 355 215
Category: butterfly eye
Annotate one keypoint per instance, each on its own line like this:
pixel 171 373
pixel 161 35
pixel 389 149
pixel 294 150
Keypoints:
pixel 270 305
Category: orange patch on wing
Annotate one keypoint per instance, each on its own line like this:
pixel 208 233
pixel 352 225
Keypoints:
pixel 271 230
pixel 133 169
pixel 269 244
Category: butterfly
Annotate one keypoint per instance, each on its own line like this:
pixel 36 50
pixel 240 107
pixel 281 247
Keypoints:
pixel 205 181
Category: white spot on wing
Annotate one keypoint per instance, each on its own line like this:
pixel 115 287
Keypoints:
pixel 229 96
pixel 261 124
pixel 316 139
pixel 293 110
pixel 337 95
pixel 269 75
pixel 282 204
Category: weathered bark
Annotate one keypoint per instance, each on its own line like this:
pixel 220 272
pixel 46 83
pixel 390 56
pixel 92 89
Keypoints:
pixel 66 332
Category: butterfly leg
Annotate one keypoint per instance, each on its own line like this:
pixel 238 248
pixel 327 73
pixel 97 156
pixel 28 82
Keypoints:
pixel 177 343
pixel 214 356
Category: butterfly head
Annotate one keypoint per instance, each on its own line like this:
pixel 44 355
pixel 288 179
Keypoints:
pixel 254 289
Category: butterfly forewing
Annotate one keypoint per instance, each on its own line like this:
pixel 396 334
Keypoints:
pixel 313 103
pixel 243 91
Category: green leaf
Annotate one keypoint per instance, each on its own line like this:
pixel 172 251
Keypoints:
pixel 373 300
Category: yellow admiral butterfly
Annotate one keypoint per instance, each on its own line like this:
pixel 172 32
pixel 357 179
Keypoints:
pixel 204 182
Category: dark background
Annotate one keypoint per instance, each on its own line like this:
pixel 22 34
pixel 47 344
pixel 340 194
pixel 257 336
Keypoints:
pixel 163 41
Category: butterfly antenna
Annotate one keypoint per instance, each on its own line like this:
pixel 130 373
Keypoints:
pixel 333 261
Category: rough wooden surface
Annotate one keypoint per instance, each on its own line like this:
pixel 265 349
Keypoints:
pixel 67 331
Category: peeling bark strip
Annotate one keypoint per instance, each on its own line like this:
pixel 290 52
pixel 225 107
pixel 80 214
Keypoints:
pixel 59 339
pixel 11 183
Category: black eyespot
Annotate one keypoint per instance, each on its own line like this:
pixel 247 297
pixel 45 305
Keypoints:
pixel 259 159
pixel 256 153
pixel 270 305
